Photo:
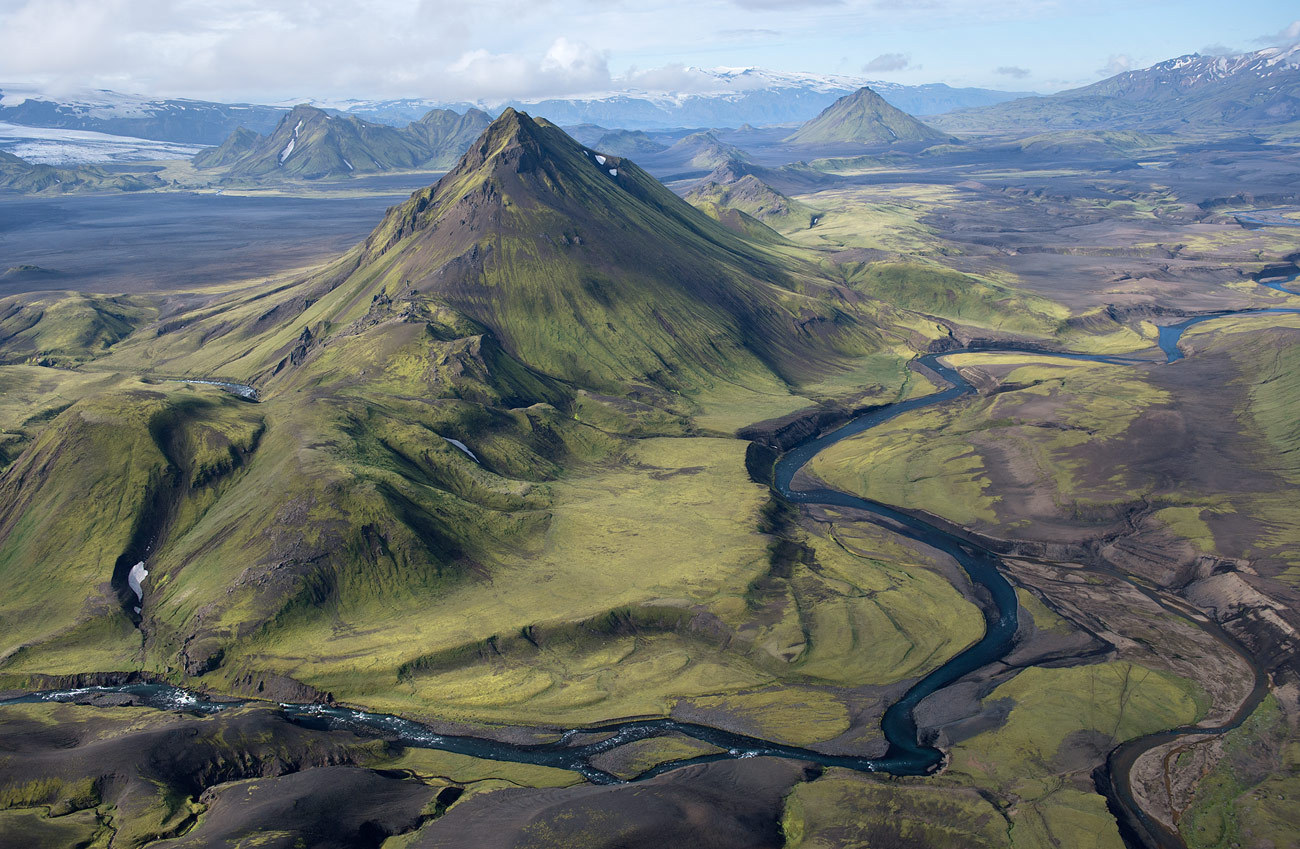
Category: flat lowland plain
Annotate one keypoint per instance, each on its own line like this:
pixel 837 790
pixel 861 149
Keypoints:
pixel 153 242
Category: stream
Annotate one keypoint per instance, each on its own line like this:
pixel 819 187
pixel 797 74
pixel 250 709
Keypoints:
pixel 905 755
pixel 1274 217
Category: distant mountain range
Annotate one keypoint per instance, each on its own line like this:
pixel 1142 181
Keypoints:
pixel 309 143
pixel 722 98
pixel 186 121
pixel 1250 89
pixel 1246 90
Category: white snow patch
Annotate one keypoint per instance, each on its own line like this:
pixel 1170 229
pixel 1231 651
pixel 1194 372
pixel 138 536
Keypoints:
pixel 463 447
pixel 135 581
pixel 613 172
pixel 288 148
pixel 600 160
pixel 349 164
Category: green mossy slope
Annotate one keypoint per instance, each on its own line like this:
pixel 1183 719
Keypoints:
pixel 863 118
pixel 310 144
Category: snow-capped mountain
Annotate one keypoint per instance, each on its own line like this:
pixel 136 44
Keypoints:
pixel 1186 74
pixel 184 121
pixel 692 97
pixel 698 97
pixel 1245 90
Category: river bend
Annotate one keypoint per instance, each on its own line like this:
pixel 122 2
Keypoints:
pixel 905 754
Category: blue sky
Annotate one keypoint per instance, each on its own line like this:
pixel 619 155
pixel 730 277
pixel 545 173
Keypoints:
pixel 269 50
pixel 1056 45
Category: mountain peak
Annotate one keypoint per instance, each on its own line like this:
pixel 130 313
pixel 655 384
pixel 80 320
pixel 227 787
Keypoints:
pixel 866 94
pixel 514 141
pixel 864 117
pixel 584 265
pixel 304 112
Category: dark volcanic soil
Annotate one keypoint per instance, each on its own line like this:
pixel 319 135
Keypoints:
pixel 156 242
pixel 724 805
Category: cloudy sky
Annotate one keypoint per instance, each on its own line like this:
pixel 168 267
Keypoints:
pixel 271 50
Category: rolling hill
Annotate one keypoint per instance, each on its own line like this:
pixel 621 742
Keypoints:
pixel 19 175
pixel 863 117
pixel 628 143
pixel 700 151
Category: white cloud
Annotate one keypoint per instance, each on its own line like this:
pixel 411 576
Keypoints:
pixel 1288 35
pixel 567 67
pixel 1118 63
pixel 746 34
pixel 275 50
pixel 575 59
pixel 1012 71
pixel 673 77
pixel 888 62
pixel 882 9
pixel 278 49
pixel 784 5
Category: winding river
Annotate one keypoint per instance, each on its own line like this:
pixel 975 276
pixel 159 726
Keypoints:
pixel 905 755
pixel 1275 217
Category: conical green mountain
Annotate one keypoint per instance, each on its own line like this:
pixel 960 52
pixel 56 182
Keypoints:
pixel 705 150
pixel 863 118
pixel 443 414
pixel 750 195
pixel 587 269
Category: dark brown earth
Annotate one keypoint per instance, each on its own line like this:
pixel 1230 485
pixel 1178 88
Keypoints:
pixel 333 807
pixel 724 805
